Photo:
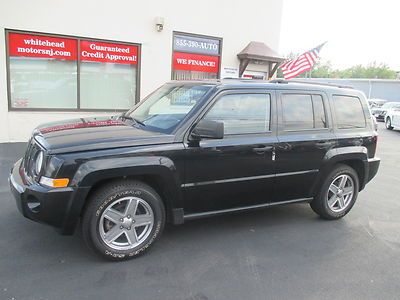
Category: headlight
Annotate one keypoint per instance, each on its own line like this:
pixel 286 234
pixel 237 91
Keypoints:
pixel 39 162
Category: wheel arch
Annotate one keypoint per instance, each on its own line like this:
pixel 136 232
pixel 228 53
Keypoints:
pixel 156 181
pixel 158 172
pixel 355 157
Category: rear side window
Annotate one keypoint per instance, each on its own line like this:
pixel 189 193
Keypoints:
pixel 301 111
pixel 349 112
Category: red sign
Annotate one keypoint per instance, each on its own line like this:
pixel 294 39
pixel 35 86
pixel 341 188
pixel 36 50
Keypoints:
pixel 109 52
pixel 41 46
pixel 195 62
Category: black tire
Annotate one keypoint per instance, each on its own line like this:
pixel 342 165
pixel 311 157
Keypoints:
pixel 388 124
pixel 320 202
pixel 102 199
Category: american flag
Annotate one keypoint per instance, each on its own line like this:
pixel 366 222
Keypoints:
pixel 301 64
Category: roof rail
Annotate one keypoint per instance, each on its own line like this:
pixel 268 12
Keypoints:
pixel 311 82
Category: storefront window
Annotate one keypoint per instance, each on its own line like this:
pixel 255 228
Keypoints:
pixel 46 72
pixel 195 57
pixel 43 71
pixel 108 75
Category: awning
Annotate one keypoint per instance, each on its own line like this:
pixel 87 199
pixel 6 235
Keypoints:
pixel 258 52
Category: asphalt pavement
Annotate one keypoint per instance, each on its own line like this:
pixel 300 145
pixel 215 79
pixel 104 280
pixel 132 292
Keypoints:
pixel 278 253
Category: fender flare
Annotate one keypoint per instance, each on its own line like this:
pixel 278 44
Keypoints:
pixel 338 155
pixel 91 172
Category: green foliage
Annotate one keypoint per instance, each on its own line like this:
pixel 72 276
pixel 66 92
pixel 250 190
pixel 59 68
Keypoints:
pixel 373 70
pixel 325 70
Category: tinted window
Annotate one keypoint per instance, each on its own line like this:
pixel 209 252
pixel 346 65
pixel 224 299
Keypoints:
pixel 302 111
pixel 242 113
pixel 297 111
pixel 349 112
pixel 319 112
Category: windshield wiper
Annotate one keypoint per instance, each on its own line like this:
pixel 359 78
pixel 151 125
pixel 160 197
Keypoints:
pixel 125 117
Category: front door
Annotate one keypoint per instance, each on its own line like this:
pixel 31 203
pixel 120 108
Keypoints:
pixel 305 135
pixel 237 170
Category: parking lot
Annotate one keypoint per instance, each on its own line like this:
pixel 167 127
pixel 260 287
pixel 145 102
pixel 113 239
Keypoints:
pixel 279 253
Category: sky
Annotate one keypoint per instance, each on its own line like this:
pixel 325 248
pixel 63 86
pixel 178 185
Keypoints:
pixel 356 31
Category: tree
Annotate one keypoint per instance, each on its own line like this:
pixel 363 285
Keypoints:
pixel 372 71
pixel 324 70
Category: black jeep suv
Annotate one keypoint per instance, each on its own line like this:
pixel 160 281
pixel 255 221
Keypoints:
pixel 197 149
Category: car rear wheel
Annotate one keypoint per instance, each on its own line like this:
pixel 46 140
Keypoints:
pixel 388 124
pixel 338 193
pixel 123 219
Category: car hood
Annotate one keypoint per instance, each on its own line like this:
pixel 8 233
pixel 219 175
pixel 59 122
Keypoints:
pixel 94 134
pixel 378 110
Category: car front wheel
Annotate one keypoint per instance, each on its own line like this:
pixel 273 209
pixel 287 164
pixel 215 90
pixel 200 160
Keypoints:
pixel 338 193
pixel 388 124
pixel 123 219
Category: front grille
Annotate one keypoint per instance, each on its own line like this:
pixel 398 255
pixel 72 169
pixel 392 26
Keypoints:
pixel 29 158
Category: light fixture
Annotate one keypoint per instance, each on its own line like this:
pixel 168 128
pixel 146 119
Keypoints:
pixel 159 23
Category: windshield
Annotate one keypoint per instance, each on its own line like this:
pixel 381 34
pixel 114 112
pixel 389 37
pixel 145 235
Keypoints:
pixel 390 104
pixel 164 109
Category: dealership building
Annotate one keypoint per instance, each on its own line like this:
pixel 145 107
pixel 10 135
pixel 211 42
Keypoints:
pixel 75 59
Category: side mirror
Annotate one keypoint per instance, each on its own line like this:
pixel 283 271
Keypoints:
pixel 208 129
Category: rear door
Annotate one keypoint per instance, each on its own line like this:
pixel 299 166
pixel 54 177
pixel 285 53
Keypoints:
pixel 305 135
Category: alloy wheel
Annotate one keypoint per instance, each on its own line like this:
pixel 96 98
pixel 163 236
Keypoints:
pixel 126 223
pixel 340 193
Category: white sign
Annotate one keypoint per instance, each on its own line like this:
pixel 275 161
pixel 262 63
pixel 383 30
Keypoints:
pixel 229 72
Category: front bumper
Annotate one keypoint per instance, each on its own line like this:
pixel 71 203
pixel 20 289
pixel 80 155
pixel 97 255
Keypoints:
pixel 380 117
pixel 59 207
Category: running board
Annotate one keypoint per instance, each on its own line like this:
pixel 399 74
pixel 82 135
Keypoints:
pixel 240 209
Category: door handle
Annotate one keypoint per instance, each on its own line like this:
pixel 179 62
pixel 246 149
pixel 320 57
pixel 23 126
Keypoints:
pixel 261 150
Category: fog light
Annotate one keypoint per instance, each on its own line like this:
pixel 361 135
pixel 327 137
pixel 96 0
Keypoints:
pixel 54 182
pixel 33 204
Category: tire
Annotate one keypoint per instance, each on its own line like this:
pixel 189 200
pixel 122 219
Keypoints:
pixel 338 206
pixel 388 124
pixel 138 216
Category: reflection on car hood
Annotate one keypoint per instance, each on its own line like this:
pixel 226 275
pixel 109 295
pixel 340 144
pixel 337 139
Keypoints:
pixel 93 134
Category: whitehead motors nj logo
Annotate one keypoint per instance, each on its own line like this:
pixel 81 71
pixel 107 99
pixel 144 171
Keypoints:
pixel 42 46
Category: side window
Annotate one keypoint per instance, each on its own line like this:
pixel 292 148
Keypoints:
pixel 349 112
pixel 301 111
pixel 319 112
pixel 242 113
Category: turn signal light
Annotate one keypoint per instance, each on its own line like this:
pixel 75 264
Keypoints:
pixel 55 183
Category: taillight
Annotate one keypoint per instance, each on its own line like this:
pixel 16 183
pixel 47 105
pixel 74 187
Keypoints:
pixel 374 146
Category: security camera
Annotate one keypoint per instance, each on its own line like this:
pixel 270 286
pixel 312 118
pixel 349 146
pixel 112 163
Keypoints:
pixel 159 23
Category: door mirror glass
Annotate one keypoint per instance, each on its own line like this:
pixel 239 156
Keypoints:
pixel 208 129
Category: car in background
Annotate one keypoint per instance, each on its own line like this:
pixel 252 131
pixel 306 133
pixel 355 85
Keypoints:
pixel 392 119
pixel 376 103
pixel 380 112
